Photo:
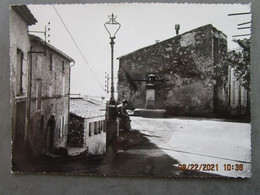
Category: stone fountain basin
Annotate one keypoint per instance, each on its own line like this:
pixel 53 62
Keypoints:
pixel 149 113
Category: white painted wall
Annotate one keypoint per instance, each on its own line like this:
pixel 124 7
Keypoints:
pixel 19 39
pixel 96 143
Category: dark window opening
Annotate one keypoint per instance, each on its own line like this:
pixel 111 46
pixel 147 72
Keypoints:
pixel 51 62
pixel 100 127
pixel 19 78
pixel 103 125
pixel 63 67
pixel 89 130
pixel 95 128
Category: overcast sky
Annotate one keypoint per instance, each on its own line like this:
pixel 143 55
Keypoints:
pixel 142 24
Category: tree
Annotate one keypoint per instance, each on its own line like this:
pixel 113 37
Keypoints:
pixel 240 61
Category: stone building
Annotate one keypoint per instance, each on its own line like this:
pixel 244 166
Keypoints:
pixel 49 97
pixel 39 87
pixel 190 70
pixel 87 127
pixel 20 18
pixel 239 98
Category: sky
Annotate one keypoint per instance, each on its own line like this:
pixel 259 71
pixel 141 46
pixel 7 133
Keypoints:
pixel 141 25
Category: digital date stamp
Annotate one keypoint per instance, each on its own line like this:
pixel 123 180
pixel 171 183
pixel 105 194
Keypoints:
pixel 210 167
pixel 232 167
pixel 198 167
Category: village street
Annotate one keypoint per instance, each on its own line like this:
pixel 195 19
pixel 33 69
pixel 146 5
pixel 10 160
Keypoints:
pixel 155 147
pixel 201 141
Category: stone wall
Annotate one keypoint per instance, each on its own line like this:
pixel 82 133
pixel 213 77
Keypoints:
pixel 19 40
pixel 49 97
pixel 185 68
pixel 76 131
pixel 43 94
pixel 80 134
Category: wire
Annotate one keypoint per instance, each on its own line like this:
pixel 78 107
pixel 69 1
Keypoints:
pixel 78 47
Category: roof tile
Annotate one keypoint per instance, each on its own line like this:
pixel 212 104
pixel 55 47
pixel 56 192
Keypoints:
pixel 86 108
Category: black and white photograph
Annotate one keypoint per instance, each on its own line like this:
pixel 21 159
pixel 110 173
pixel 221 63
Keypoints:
pixel 131 89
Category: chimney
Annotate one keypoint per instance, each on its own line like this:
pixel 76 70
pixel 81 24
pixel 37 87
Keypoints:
pixel 177 28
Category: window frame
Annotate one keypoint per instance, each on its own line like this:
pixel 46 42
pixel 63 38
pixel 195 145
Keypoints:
pixel 19 68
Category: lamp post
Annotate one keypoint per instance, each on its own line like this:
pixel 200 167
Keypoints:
pixel 112 27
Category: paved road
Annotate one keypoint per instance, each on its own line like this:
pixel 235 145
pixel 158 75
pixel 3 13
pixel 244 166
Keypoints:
pixel 147 151
pixel 201 141
pixel 131 154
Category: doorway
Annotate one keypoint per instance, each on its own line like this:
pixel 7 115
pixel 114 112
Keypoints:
pixel 50 134
pixel 19 131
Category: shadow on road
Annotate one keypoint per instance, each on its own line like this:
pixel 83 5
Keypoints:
pixel 130 154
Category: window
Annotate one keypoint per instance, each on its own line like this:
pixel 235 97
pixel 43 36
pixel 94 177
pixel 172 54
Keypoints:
pixel 63 85
pixel 38 93
pixel 95 128
pixel 103 126
pixel 63 67
pixel 100 126
pixel 19 68
pixel 51 62
pixel 62 126
pixel 89 130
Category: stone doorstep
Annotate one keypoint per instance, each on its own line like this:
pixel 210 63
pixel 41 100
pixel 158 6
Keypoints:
pixel 74 151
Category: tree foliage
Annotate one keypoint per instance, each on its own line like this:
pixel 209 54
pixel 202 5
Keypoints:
pixel 240 61
pixel 220 70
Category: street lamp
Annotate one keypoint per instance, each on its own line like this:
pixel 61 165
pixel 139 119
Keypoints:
pixel 112 27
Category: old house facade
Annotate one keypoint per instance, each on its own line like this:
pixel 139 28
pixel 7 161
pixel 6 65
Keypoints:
pixel 49 97
pixel 87 127
pixel 39 85
pixel 239 79
pixel 238 96
pixel 190 72
pixel 20 18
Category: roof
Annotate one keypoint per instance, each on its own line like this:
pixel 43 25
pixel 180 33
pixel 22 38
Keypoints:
pixel 24 12
pixel 245 43
pixel 196 29
pixel 86 108
pixel 34 38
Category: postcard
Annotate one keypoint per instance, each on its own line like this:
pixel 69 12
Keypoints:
pixel 131 89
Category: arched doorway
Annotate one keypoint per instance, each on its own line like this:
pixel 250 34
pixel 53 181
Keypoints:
pixel 50 134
